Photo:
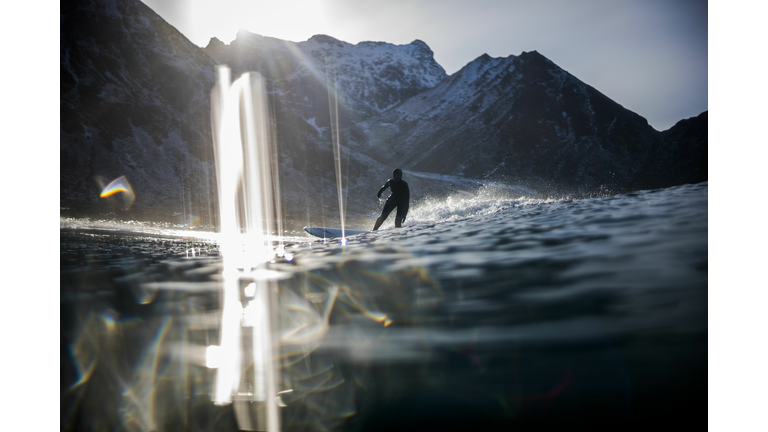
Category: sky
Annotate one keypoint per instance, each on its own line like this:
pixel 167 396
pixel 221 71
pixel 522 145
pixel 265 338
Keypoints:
pixel 650 56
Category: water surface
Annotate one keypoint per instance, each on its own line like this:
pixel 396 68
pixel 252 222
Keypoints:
pixel 480 313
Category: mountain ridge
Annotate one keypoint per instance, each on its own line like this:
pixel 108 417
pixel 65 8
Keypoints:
pixel 534 122
pixel 135 102
pixel 372 76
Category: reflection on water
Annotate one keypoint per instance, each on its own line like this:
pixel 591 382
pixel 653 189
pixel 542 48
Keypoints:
pixel 584 313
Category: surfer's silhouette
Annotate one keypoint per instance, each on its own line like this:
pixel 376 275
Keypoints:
pixel 399 199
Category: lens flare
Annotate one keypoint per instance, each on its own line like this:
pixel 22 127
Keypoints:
pixel 249 211
pixel 333 106
pixel 192 221
pixel 120 185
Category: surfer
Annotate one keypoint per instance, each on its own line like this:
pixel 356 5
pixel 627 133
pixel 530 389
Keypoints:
pixel 399 198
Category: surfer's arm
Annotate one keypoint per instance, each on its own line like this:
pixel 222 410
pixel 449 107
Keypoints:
pixel 383 188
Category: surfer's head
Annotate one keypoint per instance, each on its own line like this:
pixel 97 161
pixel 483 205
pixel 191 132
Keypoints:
pixel 397 174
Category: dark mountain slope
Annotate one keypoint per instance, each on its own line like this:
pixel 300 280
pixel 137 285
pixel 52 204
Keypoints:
pixel 524 119
pixel 134 102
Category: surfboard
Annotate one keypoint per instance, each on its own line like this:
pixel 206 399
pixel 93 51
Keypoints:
pixel 331 232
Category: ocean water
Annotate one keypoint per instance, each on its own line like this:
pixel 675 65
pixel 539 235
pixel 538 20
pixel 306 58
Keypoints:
pixel 482 313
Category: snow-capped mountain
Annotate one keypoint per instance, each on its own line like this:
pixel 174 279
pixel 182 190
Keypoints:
pixel 370 76
pixel 523 118
pixel 135 101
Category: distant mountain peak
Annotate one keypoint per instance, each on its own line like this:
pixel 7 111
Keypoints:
pixel 477 67
pixel 420 44
pixel 325 39
pixel 373 76
pixel 215 43
pixel 535 56
pixel 243 33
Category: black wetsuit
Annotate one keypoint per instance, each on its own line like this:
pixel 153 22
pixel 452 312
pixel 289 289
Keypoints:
pixel 400 198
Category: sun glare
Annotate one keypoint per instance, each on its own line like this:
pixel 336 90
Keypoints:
pixel 212 357
pixel 294 21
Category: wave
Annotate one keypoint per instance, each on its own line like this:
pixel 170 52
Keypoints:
pixel 487 199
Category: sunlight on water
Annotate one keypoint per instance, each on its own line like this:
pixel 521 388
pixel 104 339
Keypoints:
pixel 487 199
pixel 512 301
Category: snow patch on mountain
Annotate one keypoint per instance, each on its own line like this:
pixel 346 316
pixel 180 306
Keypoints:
pixel 313 122
pixel 371 77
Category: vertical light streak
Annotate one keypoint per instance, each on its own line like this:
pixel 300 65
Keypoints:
pixel 251 179
pixel 333 103
pixel 228 372
pixel 265 158
pixel 276 181
pixel 213 357
pixel 260 163
pixel 246 166
pixel 263 352
pixel 259 385
pixel 228 155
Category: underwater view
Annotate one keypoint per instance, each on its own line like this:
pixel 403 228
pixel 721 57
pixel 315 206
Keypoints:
pixel 480 313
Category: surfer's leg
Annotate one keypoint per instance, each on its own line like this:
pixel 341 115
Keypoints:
pixel 388 207
pixel 400 216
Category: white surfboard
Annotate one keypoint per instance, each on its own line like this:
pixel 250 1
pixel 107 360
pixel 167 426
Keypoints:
pixel 331 232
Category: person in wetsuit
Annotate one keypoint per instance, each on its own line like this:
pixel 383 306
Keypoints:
pixel 400 197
